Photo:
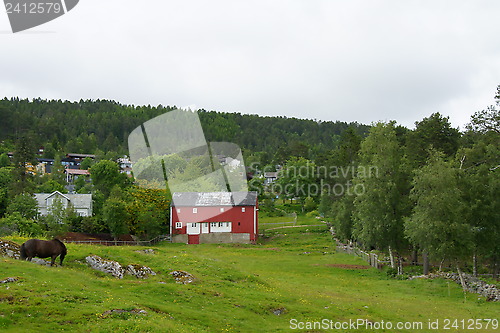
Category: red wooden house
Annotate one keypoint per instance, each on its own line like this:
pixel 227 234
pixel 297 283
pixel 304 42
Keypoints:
pixel 214 217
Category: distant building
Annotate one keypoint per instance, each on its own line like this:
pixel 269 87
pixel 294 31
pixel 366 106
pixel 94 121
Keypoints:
pixel 44 166
pixel 270 177
pixel 125 165
pixel 73 174
pixel 82 203
pixel 79 157
pixel 70 163
pixel 214 217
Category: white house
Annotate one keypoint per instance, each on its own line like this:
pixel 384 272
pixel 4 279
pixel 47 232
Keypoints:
pixel 82 203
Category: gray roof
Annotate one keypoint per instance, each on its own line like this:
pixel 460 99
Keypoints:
pixel 211 199
pixel 77 200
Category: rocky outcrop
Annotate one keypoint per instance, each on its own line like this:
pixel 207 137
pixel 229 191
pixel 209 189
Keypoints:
pixel 9 280
pixel 182 277
pixel 140 272
pixel 146 251
pixel 10 249
pixel 106 266
pixel 120 311
pixel 115 269
pixel 473 284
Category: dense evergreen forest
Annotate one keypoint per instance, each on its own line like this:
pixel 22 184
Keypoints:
pixel 103 126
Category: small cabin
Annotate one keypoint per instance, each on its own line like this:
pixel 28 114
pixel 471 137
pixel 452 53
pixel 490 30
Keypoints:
pixel 214 217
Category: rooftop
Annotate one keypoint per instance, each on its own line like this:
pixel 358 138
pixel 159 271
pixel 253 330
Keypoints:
pixel 210 199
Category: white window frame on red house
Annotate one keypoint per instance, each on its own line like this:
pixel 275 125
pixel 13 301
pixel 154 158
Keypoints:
pixel 220 226
pixel 178 225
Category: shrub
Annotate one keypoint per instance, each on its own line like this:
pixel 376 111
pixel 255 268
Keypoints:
pixel 16 223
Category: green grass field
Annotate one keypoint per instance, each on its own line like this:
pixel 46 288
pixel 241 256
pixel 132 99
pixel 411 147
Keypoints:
pixel 240 288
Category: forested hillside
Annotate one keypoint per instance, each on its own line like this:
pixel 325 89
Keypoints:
pixel 103 126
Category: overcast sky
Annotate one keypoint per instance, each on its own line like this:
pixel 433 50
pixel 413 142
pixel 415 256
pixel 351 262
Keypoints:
pixel 351 60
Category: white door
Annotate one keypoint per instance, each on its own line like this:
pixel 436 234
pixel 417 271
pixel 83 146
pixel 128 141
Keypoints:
pixel 204 228
pixel 193 228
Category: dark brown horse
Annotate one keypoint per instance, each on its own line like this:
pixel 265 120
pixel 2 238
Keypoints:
pixel 43 249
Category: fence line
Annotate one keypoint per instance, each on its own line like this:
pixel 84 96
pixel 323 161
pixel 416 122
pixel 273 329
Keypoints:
pixel 111 243
pixel 371 258
pixel 277 223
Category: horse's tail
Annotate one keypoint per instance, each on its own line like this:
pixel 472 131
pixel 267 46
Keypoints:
pixel 23 252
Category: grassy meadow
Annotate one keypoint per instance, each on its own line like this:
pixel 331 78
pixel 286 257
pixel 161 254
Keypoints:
pixel 293 276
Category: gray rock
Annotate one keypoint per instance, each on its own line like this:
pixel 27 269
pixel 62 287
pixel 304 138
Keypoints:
pixel 119 311
pixel 473 284
pixel 140 272
pixel 9 279
pixel 106 266
pixel 182 277
pixel 10 249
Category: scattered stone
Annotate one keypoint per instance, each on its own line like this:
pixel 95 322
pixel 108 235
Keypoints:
pixel 182 277
pixel 140 272
pixel 115 269
pixel 119 311
pixel 473 284
pixel 42 262
pixel 146 251
pixel 279 311
pixel 9 279
pixel 106 266
pixel 10 249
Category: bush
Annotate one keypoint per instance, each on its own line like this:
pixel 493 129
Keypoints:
pixel 16 223
pixel 312 213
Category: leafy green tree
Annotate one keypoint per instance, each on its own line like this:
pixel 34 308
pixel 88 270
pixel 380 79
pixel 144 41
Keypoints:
pixel 149 211
pixel 479 184
pixel 257 184
pixel 24 157
pixel 4 160
pixel 57 219
pixel 16 223
pixel 50 186
pixel 57 171
pixel 115 216
pixel 25 204
pixel 343 217
pixel 340 167
pixel 432 132
pixel 487 120
pixel 298 179
pixel 437 224
pixel 49 151
pixel 86 163
pixel 106 174
pixel 5 184
pixel 380 187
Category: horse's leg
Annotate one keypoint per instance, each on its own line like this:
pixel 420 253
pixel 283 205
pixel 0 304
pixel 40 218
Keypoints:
pixel 61 257
pixel 29 258
pixel 53 260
